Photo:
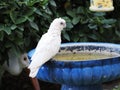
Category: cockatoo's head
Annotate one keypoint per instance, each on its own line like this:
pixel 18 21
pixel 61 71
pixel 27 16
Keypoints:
pixel 59 23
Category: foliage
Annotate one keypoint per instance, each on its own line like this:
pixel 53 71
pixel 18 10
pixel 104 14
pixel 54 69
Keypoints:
pixel 85 25
pixel 19 24
pixel 23 22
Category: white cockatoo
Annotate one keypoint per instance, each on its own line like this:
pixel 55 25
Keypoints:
pixel 16 63
pixel 48 46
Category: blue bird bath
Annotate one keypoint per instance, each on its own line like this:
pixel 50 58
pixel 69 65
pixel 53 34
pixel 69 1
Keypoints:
pixel 82 74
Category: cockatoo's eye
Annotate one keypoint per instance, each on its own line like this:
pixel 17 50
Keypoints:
pixel 61 23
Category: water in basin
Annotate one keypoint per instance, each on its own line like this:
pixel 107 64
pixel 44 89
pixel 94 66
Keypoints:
pixel 83 56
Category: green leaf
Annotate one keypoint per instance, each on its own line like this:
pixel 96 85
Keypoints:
pixel 67 19
pixel 66 36
pixel 17 20
pixel 13 27
pixel 117 33
pixel 43 2
pixel 21 28
pixel 12 16
pixel 29 12
pixel 7 29
pixel 71 13
pixel 108 21
pixel 80 10
pixel 107 26
pixel 75 20
pixel 38 12
pixel 92 26
pixel 31 2
pixel 34 26
pixel 69 25
pixel 31 19
pixel 52 2
pixel 99 14
pixel 20 20
pixel 93 36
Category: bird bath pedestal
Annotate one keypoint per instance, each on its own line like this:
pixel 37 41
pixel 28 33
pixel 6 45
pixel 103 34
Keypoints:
pixel 86 74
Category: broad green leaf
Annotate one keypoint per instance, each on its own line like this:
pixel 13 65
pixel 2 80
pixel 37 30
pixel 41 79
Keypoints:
pixel 107 26
pixel 48 11
pixel 66 36
pixel 69 25
pixel 31 2
pixel 75 20
pixel 80 10
pixel 67 19
pixel 92 26
pixel 20 20
pixel 17 20
pixel 99 14
pixel 108 21
pixel 13 27
pixel 31 19
pixel 21 28
pixel 7 29
pixel 34 26
pixel 117 33
pixel 12 16
pixel 52 2
pixel 43 2
pixel 38 12
pixel 93 36
pixel 29 12
pixel 71 13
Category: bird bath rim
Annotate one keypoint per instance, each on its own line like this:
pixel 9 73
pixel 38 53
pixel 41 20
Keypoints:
pixel 86 63
pixel 71 44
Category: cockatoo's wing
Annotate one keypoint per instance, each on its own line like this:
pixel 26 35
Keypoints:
pixel 47 47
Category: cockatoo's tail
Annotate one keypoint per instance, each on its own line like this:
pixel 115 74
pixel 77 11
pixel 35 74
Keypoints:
pixel 101 5
pixel 48 46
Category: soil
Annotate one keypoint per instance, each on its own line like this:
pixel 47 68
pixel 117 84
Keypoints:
pixel 23 82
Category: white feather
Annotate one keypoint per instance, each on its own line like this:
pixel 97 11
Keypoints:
pixel 48 46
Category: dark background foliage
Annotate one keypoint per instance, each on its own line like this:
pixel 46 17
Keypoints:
pixel 22 22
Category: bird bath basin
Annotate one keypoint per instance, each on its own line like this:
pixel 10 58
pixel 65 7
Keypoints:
pixel 83 66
